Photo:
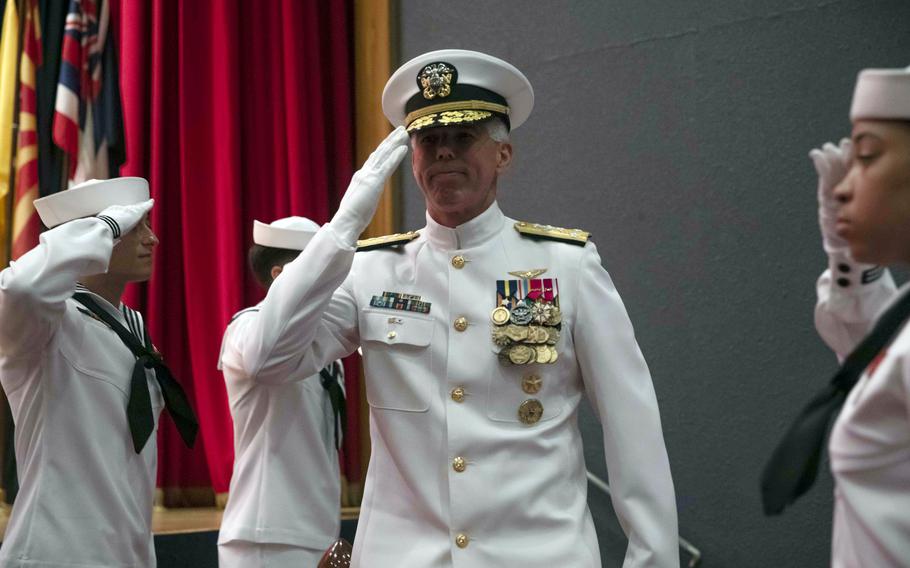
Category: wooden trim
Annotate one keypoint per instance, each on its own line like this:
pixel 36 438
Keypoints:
pixel 373 58
pixel 372 68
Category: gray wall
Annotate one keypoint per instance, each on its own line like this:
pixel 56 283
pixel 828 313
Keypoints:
pixel 677 133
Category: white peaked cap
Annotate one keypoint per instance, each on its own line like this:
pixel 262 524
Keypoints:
pixel 882 94
pixel 456 86
pixel 289 233
pixel 90 198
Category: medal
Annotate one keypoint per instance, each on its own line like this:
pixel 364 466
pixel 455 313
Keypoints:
pixel 517 333
pixel 521 354
pixel 552 335
pixel 521 315
pixel 531 384
pixel 500 339
pixel 554 355
pixel 541 312
pixel 554 317
pixel 530 411
pixel 543 354
pixel 500 315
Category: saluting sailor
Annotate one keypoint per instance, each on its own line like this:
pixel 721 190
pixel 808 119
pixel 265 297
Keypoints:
pixel 284 507
pixel 480 335
pixel 85 384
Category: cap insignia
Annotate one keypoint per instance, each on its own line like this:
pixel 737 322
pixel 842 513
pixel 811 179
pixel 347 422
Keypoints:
pixel 436 80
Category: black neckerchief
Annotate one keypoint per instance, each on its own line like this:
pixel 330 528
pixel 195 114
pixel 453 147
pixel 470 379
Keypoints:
pixel 793 466
pixel 139 408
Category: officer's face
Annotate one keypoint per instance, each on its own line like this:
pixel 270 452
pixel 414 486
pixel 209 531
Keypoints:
pixel 457 167
pixel 875 216
pixel 131 259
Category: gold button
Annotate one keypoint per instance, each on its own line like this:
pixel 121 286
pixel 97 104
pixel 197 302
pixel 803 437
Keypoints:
pixel 459 465
pixel 462 540
pixel 461 324
pixel 458 394
pixel 392 335
pixel 458 261
pixel 530 411
pixel 531 384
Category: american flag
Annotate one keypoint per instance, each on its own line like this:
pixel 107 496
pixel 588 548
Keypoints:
pixel 78 124
pixel 25 220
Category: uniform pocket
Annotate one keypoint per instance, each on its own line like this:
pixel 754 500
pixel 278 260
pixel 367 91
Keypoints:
pixel 397 359
pixel 534 386
pixel 94 350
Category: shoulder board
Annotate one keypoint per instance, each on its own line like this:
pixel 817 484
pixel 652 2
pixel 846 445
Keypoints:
pixel 386 241
pixel 551 233
pixel 241 312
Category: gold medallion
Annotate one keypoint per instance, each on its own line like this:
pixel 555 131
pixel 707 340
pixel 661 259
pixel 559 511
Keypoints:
pixel 500 339
pixel 552 335
pixel 543 353
pixel 500 315
pixel 554 355
pixel 555 316
pixel 516 332
pixel 531 384
pixel 521 354
pixel 530 411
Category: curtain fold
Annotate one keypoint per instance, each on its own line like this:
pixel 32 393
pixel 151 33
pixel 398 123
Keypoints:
pixel 235 111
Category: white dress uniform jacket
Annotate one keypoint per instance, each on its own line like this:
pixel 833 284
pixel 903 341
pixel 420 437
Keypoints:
pixel 521 497
pixel 285 487
pixel 85 496
pixel 870 440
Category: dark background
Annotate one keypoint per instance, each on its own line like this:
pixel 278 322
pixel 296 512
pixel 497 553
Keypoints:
pixel 677 133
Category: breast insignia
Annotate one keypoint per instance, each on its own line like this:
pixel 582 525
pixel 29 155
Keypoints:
pixel 551 233
pixel 386 241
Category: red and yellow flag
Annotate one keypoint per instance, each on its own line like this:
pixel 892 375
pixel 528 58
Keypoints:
pixel 25 220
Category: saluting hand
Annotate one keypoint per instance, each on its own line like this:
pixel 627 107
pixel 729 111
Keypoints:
pixel 832 163
pixel 362 196
pixel 123 218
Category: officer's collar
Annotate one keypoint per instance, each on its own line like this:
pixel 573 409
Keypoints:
pixel 469 235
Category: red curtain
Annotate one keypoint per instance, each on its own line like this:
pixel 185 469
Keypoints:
pixel 234 110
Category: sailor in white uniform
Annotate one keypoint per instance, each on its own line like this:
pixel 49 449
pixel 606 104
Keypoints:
pixel 84 383
pixel 284 503
pixel 864 196
pixel 480 335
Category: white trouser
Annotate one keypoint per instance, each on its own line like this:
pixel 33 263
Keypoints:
pixel 242 554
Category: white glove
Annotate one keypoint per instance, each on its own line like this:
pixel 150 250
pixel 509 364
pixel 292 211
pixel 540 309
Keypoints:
pixel 123 218
pixel 832 163
pixel 361 199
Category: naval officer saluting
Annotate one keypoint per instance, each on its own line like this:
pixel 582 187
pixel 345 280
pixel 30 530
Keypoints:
pixel 284 507
pixel 480 335
pixel 84 383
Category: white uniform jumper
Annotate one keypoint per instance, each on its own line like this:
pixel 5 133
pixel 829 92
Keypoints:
pixel 85 496
pixel 455 478
pixel 870 440
pixel 285 489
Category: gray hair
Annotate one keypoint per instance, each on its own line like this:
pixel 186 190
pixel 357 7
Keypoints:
pixel 497 130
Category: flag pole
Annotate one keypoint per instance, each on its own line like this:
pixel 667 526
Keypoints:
pixel 14 146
